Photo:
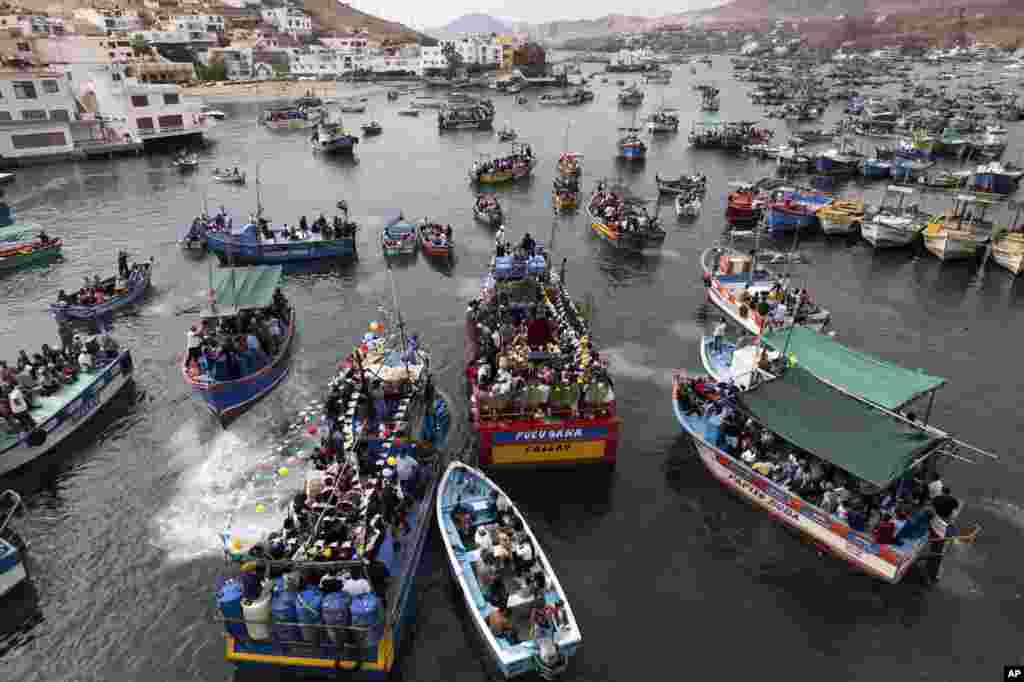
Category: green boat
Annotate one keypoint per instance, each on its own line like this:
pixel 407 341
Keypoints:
pixel 15 254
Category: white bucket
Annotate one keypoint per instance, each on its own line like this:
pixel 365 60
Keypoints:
pixel 257 615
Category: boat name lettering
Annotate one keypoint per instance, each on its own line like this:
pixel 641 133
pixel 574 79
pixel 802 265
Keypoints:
pixel 548 448
pixel 761 496
pixel 560 434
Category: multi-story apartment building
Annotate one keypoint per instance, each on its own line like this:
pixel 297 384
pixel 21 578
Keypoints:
pixel 117 21
pixel 36 112
pixel 197 23
pixel 33 25
pixel 289 19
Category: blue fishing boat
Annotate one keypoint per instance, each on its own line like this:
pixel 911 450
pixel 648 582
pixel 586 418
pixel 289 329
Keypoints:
pixel 534 629
pixel 62 413
pixel 631 147
pixel 114 294
pixel 794 210
pixel 258 243
pixel 875 169
pixel 224 377
pixel 334 591
pixel 398 237
pixel 12 567
pixel 838 161
pixel 996 178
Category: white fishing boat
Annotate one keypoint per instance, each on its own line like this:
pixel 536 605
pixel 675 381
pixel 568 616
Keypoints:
pixel 688 206
pixel 228 177
pixel 12 566
pixel 893 224
pixel 493 554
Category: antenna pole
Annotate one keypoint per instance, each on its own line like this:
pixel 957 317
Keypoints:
pixel 398 311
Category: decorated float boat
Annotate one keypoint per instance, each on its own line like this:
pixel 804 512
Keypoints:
pixel 58 416
pixel 748 294
pixel 844 495
pixel 334 591
pixel 398 237
pixel 893 223
pixel 516 166
pixel 623 223
pixel 842 216
pixel 543 397
pixel 565 193
pixel 12 566
pixel 224 378
pixel 790 210
pixel 436 240
pixel 487 210
pixel 115 293
pixel 961 231
pixel 305 112
pixel 535 630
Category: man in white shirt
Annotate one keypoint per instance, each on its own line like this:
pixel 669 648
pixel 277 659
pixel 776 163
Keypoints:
pixel 194 343
pixel 19 408
pixel 85 362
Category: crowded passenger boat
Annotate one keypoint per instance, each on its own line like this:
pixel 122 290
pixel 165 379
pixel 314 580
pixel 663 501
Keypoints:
pixel 335 587
pixel 487 210
pixel 398 237
pixel 259 242
pixel 515 166
pixel 570 164
pixel 436 239
pixel 512 594
pixel 47 396
pixel 104 296
pixel 623 223
pixel 238 352
pixel 540 392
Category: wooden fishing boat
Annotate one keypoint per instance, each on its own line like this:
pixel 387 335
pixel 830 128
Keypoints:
pixel 684 184
pixel 398 237
pixel 687 205
pixel 507 134
pixel 186 163
pixel 538 632
pixel 60 415
pixel 12 566
pixel 1008 251
pixel 563 418
pixel 744 204
pixel 354 627
pixel 371 128
pixel 961 231
pixel 434 240
pixel 15 255
pixel 893 224
pixel 228 178
pixel 565 200
pixel 305 112
pixel 515 166
pixel 842 216
pixel 631 147
pixel 801 412
pixel 631 96
pixel 487 210
pixel 229 388
pixel 633 229
pixel 137 284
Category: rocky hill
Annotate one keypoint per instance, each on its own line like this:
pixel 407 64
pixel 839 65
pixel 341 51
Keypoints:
pixel 333 15
pixel 472 23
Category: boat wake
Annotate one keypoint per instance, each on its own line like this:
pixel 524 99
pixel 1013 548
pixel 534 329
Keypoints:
pixel 629 362
pixel 226 482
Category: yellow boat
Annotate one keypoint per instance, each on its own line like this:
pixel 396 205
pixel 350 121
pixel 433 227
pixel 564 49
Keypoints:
pixel 960 231
pixel 1008 251
pixel 842 216
pixel 565 201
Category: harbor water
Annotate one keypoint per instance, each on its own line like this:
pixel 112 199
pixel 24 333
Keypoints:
pixel 669 576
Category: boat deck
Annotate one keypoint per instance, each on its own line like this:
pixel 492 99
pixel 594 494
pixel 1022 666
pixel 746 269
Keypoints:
pixel 48 406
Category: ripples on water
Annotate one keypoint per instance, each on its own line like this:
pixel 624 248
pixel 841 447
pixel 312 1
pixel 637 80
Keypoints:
pixel 124 525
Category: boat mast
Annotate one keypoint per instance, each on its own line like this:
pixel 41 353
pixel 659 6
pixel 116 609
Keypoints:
pixel 398 311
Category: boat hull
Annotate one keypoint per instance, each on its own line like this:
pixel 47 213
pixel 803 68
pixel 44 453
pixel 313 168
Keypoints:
pixel 502 177
pixel 782 220
pixel 814 525
pixel 84 312
pixel 565 201
pixel 946 245
pixel 266 253
pixel 489 218
pixel 632 153
pixel 995 183
pixel 887 237
pixel 228 399
pixel 340 145
pixel 105 384
pixel 837 224
pixel 630 241
pixel 433 249
pixel 1009 255
pixel 37 255
pixel 12 570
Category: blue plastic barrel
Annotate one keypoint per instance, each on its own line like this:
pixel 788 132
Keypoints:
pixel 229 601
pixel 366 614
pixel 308 606
pixel 336 611
pixel 282 610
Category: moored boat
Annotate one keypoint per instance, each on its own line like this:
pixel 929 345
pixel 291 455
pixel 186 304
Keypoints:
pixel 225 378
pixel 515 166
pixel 665 120
pixel 961 231
pixel 435 239
pixel 631 96
pixel 487 210
pixel 532 628
pixel 842 216
pixel 744 205
pixel 81 390
pixel 228 177
pixel 790 209
pixel 260 243
pixel 893 224
pixel 305 112
pixel 565 192
pixel 398 237
pixel 996 178
pixel 570 164
pixel 371 128
pixel 330 136
pixel 563 412
pixel 1008 251
pixel 334 592
pixel 688 205
pixel 684 184
pixel 631 147
pixel 111 295
pixel 186 162
pixel 623 223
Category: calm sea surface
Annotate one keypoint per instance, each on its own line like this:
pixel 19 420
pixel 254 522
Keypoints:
pixel 670 576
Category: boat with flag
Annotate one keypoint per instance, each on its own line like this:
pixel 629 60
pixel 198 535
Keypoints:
pixel 246 304
pixel 332 590
pixel 81 394
pixel 533 628
pixel 543 398
pixel 112 294
pixel 774 441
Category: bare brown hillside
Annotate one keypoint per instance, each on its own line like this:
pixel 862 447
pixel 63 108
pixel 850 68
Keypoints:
pixel 337 16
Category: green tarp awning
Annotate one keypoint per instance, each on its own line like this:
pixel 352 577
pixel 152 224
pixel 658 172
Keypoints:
pixel 859 374
pixel 243 288
pixel 854 436
pixel 19 232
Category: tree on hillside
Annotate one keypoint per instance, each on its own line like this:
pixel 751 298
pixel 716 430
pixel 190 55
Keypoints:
pixel 138 43
pixel 453 58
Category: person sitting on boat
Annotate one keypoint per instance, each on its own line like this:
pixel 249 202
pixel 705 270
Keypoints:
pixel 320 223
pixel 303 225
pixel 528 245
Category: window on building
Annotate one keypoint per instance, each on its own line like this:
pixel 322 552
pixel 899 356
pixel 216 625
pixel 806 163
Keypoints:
pixel 171 98
pixel 171 121
pixel 113 76
pixel 5 116
pixel 60 115
pixel 55 139
pixel 24 89
pixel 140 101
pixel 145 123
pixel 24 47
pixel 33 115
pixel 50 87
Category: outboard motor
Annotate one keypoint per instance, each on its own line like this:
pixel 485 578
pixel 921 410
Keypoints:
pixel 550 661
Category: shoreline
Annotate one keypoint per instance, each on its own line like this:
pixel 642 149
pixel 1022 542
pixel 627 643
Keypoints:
pixel 289 89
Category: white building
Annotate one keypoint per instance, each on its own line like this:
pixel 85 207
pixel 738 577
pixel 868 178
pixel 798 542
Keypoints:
pixel 396 61
pixel 197 23
pixel 432 59
pixel 290 20
pixel 36 113
pixel 33 25
pixel 118 21
pixel 483 50
pixel 238 62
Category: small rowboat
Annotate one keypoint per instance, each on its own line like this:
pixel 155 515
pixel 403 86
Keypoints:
pixel 371 128
pixel 433 240
pixel 537 630
pixel 186 163
pixel 229 178
pixel 490 215
pixel 408 112
pixel 688 205
pixel 398 238
pixel 138 284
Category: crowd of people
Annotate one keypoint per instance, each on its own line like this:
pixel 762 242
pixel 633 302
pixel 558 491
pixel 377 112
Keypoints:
pixel 521 157
pixel 339 227
pixel 45 372
pixel 98 291
pixel 616 212
pixel 230 347
pixel 532 352
pixel 438 234
pixel 479 113
pixel 778 305
pixel 916 505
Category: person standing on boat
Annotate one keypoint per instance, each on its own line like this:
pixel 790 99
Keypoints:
pixel 718 333
pixel 19 408
pixel 122 264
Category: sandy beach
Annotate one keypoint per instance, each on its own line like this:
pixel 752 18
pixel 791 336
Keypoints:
pixel 282 89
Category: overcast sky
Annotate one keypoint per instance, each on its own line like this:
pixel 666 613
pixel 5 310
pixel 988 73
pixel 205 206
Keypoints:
pixel 435 13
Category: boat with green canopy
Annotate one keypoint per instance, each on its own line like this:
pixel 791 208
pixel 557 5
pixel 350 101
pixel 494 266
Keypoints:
pixel 239 352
